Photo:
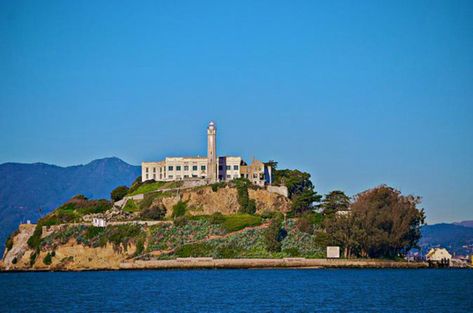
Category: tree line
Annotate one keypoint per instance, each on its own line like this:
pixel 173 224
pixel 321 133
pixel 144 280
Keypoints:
pixel 378 223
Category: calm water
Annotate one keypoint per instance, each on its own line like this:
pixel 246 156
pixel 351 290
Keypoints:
pixel 240 291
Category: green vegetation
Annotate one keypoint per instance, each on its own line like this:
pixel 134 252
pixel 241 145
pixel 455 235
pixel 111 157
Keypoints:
pixel 247 205
pixel 151 185
pixel 382 223
pixel 118 193
pixel 9 243
pixel 217 218
pixel 335 201
pixel 179 209
pixel 239 221
pixel 47 259
pixel 216 186
pixel 131 206
pixel 273 235
pixel 155 212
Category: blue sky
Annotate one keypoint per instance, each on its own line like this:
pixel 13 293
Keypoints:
pixel 358 93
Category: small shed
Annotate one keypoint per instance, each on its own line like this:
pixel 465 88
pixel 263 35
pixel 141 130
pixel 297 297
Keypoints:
pixel 333 252
pixel 99 222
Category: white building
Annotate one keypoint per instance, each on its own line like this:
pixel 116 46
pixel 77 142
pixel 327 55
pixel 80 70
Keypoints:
pixel 211 168
pixel 438 255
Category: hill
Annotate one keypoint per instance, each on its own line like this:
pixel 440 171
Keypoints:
pixel 465 223
pixel 457 239
pixel 28 191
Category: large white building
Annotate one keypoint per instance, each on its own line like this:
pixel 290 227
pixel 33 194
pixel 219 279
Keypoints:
pixel 210 168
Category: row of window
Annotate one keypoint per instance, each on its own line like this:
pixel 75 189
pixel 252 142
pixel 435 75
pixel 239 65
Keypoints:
pixel 186 168
pixel 178 168
pixel 228 167
pixel 171 176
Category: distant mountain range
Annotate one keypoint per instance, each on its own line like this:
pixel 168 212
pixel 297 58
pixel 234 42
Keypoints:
pixel 456 238
pixel 28 191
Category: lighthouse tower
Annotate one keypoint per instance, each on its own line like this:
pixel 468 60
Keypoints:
pixel 212 152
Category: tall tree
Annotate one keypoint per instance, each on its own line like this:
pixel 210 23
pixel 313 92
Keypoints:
pixel 335 201
pixel 300 188
pixel 391 222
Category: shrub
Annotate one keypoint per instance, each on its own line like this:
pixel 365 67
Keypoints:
pixel 217 218
pixel 293 252
pixel 140 246
pixel 239 221
pixel 304 225
pixel 179 209
pixel 9 243
pixel 194 250
pixel 80 197
pixel 121 235
pixel 92 232
pixel 154 212
pixel 274 235
pixel 47 259
pixel 118 193
pixel 216 186
pixel 35 240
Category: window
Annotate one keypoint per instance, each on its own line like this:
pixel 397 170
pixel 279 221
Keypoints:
pixel 235 167
pixel 146 176
pixel 170 168
pixel 228 176
pixel 220 167
pixel 178 168
pixel 154 169
pixel 147 170
pixel 160 176
pixel 186 167
pixel 202 168
pixel 154 176
pixel 170 176
pixel 193 175
pixel 186 176
pixel 194 168
pixel 228 167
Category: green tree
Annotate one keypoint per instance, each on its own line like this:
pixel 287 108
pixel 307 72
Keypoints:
pixel 300 188
pixel 273 235
pixel 118 193
pixel 335 201
pixel 345 231
pixel 390 221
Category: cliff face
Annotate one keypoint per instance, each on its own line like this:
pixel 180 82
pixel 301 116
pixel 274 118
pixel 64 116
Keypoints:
pixel 225 200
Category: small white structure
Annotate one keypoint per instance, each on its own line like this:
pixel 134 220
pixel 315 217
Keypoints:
pixel 333 252
pixel 99 222
pixel 439 257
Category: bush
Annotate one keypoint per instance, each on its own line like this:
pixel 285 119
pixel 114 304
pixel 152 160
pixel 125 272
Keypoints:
pixel 179 209
pixel 47 259
pixel 140 247
pixel 217 218
pixel 274 235
pixel 216 186
pixel 194 250
pixel 9 243
pixel 154 212
pixel 118 193
pixel 239 221
pixel 293 252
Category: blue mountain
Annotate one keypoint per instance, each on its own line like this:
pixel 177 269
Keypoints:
pixel 28 191
pixel 457 239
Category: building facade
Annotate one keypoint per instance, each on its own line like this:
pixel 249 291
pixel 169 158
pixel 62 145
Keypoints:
pixel 211 168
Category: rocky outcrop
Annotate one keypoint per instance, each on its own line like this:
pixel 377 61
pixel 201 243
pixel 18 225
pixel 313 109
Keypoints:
pixel 225 200
pixel 20 246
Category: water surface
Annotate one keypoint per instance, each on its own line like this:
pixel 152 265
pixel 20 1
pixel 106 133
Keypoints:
pixel 276 290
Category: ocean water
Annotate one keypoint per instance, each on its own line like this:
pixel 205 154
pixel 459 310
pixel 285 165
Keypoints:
pixel 272 290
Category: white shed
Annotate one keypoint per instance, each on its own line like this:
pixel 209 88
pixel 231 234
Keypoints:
pixel 99 222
